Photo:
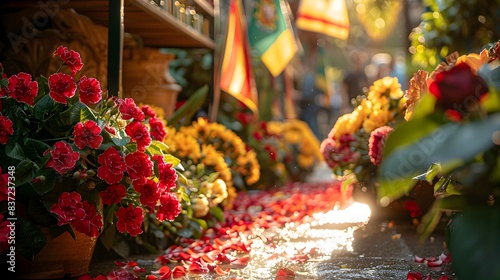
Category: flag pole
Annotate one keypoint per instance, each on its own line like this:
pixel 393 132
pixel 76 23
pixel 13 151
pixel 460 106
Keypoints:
pixel 219 49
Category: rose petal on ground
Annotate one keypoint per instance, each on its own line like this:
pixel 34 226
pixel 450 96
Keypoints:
pixel 418 259
pixel 414 276
pixel 434 263
pixel 221 271
pixel 179 271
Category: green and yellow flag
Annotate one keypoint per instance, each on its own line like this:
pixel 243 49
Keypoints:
pixel 270 33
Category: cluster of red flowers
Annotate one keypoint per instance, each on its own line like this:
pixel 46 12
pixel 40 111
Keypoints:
pixel 113 166
pixel 341 152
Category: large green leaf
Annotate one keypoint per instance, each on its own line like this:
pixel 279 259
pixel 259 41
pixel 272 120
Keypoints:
pixel 29 239
pixel 34 150
pixel 80 112
pixel 449 145
pixel 43 107
pixel 14 150
pixel 24 172
pixel 184 114
pixel 475 243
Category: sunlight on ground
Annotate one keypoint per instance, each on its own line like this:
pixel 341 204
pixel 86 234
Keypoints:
pixel 302 247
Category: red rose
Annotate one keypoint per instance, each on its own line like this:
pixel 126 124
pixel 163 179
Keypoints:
pixel 61 86
pixel 458 88
pixel 112 166
pixel 4 183
pixel 68 208
pixel 139 133
pixel 62 157
pixel 158 131
pixel 90 90
pixel 5 129
pixel 130 220
pixel 113 194
pixel 138 165
pixel 149 192
pixel 22 88
pixel 70 58
pixel 87 134
pixel 129 109
pixel 169 207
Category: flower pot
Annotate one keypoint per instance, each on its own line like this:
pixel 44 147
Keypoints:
pixel 147 80
pixel 62 257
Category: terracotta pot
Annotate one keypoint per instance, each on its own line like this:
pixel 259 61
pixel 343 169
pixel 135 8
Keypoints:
pixel 146 78
pixel 62 257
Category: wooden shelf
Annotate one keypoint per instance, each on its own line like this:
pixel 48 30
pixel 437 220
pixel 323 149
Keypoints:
pixel 206 7
pixel 155 26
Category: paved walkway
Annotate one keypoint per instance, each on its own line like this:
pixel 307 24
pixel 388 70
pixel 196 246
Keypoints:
pixel 340 244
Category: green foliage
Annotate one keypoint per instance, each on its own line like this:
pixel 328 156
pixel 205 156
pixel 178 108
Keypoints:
pixel 448 26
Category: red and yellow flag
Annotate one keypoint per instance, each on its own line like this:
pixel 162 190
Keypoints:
pixel 324 16
pixel 236 73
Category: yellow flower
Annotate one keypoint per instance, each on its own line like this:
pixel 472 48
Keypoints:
pixel 387 86
pixel 199 204
pixel 377 119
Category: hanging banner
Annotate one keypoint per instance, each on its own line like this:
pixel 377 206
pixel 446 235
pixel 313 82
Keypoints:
pixel 236 73
pixel 270 33
pixel 328 17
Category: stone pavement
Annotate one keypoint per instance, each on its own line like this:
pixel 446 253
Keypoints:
pixel 341 244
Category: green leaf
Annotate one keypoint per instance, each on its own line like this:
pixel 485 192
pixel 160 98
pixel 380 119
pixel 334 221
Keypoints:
pixel 431 173
pixel 218 213
pixel 391 189
pixel 202 223
pixel 168 158
pixel 24 172
pixel 43 107
pixel 46 185
pixel 474 243
pixel 80 112
pixel 30 239
pixel 424 107
pixel 34 149
pixel 187 111
pixel 14 150
pixel 453 203
pixel 450 145
pixel 407 133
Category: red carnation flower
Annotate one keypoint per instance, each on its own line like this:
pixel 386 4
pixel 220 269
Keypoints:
pixel 139 133
pixel 5 129
pixel 458 88
pixel 87 134
pixel 169 207
pixel 90 90
pixel 158 131
pixel 138 165
pixel 22 88
pixel 129 109
pixel 71 58
pixel 376 143
pixel 130 220
pixel 61 86
pixel 166 174
pixel 149 192
pixel 68 208
pixel 112 166
pixel 148 111
pixel 339 152
pixel 62 157
pixel 90 224
pixel 113 194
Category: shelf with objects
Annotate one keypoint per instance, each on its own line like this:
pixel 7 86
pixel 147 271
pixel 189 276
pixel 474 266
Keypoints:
pixel 136 30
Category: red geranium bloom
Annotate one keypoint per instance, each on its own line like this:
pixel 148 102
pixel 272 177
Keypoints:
pixel 138 165
pixel 458 88
pixel 70 58
pixel 62 157
pixel 158 131
pixel 61 86
pixel 139 133
pixel 5 129
pixel 90 90
pixel 90 224
pixel 22 88
pixel 169 207
pixel 87 134
pixel 129 109
pixel 110 130
pixel 112 166
pixel 148 111
pixel 68 208
pixel 113 194
pixel 148 189
pixel 130 220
